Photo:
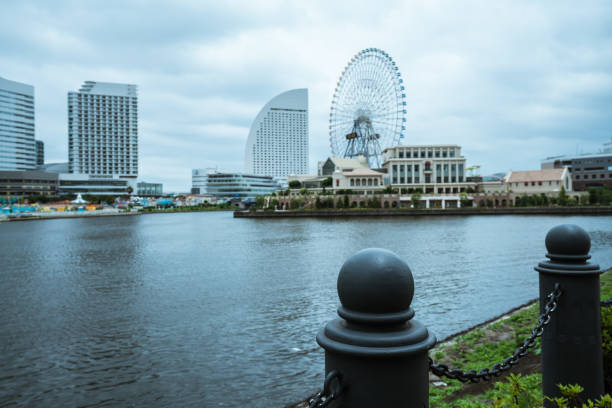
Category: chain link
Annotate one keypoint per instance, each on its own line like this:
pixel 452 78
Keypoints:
pixel 323 398
pixel 495 371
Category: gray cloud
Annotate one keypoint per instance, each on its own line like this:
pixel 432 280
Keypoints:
pixel 512 82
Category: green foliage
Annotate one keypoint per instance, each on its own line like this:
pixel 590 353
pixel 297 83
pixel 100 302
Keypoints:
pixel 304 191
pixel 295 203
pixel 374 202
pixel 389 190
pixel 295 184
pixel 259 201
pixel 274 203
pixel 327 182
pixel 600 195
pixel 415 199
pixel 404 191
pixel 562 198
pixel 346 201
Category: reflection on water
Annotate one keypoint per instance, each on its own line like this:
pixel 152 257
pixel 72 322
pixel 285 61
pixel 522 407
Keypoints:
pixel 203 310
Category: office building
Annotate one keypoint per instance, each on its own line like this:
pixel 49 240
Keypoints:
pixel 278 140
pixel 17 144
pixel 103 130
pixel 144 189
pixel 235 185
pixel 587 170
pixel 199 180
pixel 40 153
pixel 27 183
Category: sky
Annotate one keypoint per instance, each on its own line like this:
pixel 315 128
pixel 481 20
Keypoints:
pixel 512 82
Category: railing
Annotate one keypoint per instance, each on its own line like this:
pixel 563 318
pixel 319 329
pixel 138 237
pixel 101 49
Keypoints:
pixel 376 354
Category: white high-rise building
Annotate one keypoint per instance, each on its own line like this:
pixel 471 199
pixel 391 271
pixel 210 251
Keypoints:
pixel 17 144
pixel 103 130
pixel 278 141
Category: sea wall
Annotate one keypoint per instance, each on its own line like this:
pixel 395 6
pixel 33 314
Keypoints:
pixel 421 212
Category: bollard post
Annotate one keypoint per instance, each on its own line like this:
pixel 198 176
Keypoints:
pixel 375 345
pixel 571 343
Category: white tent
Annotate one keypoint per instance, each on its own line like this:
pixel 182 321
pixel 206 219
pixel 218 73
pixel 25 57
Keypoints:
pixel 79 200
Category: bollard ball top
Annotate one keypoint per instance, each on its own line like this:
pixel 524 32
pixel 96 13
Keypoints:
pixel 375 281
pixel 568 241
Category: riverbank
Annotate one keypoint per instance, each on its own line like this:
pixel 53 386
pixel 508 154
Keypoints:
pixel 372 212
pixel 87 214
pixel 486 344
pixel 62 215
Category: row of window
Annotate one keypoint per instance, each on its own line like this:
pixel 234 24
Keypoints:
pixel 357 182
pixel 593 176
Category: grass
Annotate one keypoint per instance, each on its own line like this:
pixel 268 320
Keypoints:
pixel 485 346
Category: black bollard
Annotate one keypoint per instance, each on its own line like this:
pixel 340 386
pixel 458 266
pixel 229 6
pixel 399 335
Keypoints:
pixel 376 347
pixel 571 343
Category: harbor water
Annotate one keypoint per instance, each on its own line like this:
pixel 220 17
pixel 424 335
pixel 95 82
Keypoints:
pixel 203 310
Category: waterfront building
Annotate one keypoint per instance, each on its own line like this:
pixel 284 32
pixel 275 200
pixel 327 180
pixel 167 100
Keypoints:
pixel 17 144
pixel 199 180
pixel 327 168
pixel 587 170
pixel 70 183
pixel 27 183
pixel 144 189
pixel 548 181
pixel 433 169
pixel 40 153
pixel 278 139
pixel 238 185
pixel 103 130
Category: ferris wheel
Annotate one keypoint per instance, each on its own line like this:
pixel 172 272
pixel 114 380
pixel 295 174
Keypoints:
pixel 368 107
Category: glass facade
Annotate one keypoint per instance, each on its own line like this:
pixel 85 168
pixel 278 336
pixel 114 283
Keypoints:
pixel 230 185
pixel 17 144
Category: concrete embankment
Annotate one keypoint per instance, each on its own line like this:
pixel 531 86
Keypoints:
pixel 430 211
pixel 65 215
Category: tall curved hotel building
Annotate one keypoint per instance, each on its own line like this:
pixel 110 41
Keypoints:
pixel 278 140
pixel 17 144
pixel 103 130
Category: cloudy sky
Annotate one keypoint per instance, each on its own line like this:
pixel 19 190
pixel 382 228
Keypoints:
pixel 511 82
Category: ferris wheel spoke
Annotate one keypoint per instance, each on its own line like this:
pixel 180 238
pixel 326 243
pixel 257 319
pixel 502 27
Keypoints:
pixel 367 95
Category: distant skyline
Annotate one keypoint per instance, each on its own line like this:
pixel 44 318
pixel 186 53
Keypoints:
pixel 511 82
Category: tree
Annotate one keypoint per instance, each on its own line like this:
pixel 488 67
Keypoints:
pixel 562 196
pixel 415 199
pixel 130 190
pixel 295 184
pixel 346 201
pixel 259 201
pixel 327 182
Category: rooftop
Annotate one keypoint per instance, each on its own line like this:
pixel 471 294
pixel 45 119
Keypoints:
pixel 535 175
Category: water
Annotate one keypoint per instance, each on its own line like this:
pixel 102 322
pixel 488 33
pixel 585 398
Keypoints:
pixel 199 309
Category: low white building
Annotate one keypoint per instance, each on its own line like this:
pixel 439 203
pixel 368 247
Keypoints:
pixel 357 179
pixel 545 181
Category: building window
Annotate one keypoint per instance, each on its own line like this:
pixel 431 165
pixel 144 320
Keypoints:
pixel 401 154
pixel 352 182
pixel 526 183
pixel 539 183
pixel 370 182
pixel 375 182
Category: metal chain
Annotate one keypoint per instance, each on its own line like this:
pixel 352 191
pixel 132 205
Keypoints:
pixel 324 398
pixel 495 371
